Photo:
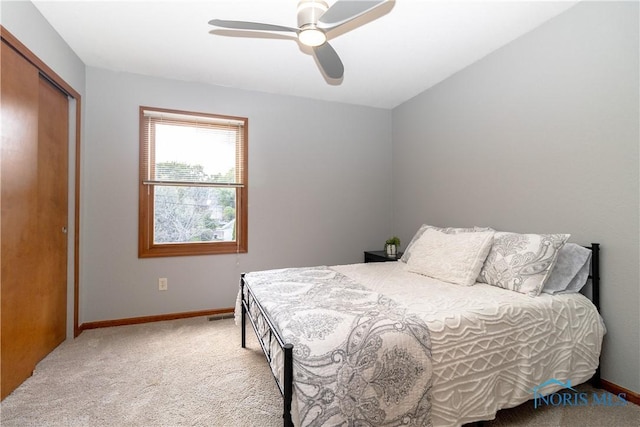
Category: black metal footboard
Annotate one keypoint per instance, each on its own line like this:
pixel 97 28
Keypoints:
pixel 266 339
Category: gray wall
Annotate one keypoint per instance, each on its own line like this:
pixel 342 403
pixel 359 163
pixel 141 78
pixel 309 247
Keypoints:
pixel 540 136
pixel 319 193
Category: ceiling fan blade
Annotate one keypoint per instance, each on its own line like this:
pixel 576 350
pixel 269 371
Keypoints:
pixel 329 61
pixel 255 26
pixel 344 11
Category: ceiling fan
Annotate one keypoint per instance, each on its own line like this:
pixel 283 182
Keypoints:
pixel 315 19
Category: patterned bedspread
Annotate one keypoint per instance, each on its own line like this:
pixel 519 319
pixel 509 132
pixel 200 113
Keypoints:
pixel 360 359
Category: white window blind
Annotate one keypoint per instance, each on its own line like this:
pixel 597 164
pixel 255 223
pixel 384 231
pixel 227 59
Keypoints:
pixel 192 150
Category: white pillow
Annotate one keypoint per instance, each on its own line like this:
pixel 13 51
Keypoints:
pixel 521 262
pixel 454 258
pixel 571 271
pixel 449 230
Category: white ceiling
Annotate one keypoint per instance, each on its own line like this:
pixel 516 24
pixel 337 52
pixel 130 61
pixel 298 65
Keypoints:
pixel 387 60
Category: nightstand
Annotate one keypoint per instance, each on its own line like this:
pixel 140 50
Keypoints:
pixel 380 256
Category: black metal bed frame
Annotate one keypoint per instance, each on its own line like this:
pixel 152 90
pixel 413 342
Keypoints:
pixel 286 389
pixel 271 333
pixel 595 296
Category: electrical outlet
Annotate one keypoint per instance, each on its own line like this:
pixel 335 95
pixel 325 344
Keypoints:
pixel 162 284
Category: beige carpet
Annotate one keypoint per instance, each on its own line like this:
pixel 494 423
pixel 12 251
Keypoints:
pixel 192 372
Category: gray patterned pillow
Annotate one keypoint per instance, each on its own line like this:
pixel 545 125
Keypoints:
pixel 448 230
pixel 521 262
pixel 571 271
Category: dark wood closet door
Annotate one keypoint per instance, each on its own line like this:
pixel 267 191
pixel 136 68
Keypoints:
pixel 34 213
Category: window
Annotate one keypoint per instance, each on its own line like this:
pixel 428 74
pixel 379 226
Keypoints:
pixel 193 183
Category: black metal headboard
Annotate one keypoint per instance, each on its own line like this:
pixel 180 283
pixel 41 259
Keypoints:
pixel 595 295
pixel 595 274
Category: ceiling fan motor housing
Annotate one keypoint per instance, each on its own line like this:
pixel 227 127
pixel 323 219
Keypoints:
pixel 309 11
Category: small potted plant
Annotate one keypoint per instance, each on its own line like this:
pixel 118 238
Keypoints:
pixel 391 246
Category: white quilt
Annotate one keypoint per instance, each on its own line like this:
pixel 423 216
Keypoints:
pixel 491 346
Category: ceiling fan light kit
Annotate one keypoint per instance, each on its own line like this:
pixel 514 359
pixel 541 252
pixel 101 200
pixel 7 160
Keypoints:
pixel 315 17
pixel 311 36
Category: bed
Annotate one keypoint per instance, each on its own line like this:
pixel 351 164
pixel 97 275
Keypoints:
pixel 384 344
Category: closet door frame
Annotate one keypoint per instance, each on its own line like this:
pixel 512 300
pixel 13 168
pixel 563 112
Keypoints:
pixel 55 79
